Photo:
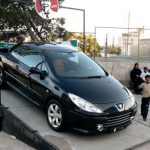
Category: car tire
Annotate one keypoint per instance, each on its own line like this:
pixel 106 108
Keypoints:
pixel 2 78
pixel 55 115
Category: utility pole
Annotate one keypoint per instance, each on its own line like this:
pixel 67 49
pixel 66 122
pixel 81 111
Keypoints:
pixel 106 48
pixel 138 48
pixel 94 42
pixel 127 51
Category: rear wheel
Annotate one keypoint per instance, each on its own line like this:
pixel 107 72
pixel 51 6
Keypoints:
pixel 55 115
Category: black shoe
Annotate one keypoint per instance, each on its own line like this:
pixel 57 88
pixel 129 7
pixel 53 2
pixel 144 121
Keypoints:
pixel 145 119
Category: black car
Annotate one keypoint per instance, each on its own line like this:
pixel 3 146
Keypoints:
pixel 72 88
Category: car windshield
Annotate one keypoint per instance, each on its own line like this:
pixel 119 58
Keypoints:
pixel 74 65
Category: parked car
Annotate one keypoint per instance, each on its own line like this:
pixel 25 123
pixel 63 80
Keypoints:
pixel 73 89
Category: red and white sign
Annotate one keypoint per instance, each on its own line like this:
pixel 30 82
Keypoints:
pixel 47 8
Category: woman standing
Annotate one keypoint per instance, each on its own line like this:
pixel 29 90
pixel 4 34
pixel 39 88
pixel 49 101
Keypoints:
pixel 135 78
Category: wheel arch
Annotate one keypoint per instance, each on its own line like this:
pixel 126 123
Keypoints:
pixel 64 121
pixel 49 98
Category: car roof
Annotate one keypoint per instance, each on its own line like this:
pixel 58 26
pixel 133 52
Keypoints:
pixel 51 46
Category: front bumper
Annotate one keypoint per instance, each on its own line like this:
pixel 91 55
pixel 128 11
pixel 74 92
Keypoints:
pixel 101 122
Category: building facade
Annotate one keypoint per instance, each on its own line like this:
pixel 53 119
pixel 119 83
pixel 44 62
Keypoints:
pixel 143 50
pixel 127 41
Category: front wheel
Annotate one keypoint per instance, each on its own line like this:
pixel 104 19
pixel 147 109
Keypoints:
pixel 55 115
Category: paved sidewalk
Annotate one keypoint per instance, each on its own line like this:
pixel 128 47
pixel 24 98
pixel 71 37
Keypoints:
pixel 135 137
pixel 138 117
pixel 144 147
pixel 8 142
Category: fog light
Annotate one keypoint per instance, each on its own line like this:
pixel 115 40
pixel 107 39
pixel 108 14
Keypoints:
pixel 115 129
pixel 100 127
pixel 132 118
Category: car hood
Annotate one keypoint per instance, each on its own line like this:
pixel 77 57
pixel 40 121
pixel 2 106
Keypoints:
pixel 96 90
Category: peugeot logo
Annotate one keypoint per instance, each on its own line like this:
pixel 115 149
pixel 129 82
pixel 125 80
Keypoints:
pixel 120 107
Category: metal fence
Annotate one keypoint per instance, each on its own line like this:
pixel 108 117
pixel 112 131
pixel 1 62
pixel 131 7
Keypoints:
pixel 134 43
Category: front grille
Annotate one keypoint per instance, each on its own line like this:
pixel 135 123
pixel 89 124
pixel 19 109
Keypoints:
pixel 118 120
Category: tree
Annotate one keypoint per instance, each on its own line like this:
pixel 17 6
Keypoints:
pixel 114 50
pixel 18 20
pixel 91 45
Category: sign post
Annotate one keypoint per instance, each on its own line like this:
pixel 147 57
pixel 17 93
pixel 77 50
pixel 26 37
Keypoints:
pixel 82 10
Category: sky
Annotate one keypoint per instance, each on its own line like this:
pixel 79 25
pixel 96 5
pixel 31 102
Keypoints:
pixel 108 13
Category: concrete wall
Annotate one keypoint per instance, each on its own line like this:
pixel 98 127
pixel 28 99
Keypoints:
pixel 121 70
pixel 144 51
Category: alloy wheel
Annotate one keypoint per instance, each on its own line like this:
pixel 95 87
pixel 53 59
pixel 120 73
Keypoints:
pixel 54 115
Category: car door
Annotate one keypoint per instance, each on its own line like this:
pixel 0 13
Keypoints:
pixel 23 58
pixel 15 76
pixel 39 83
pixel 29 58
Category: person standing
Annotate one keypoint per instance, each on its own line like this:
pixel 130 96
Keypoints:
pixel 144 73
pixel 135 78
pixel 146 97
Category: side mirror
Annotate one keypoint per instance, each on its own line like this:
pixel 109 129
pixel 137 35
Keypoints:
pixel 42 74
pixel 35 70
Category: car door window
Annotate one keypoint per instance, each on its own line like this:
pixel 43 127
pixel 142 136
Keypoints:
pixel 29 56
pixel 15 53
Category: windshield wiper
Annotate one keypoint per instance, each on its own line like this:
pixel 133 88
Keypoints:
pixel 91 77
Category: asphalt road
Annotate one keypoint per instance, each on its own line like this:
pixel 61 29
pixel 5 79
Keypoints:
pixel 135 137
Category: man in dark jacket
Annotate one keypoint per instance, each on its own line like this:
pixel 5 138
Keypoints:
pixel 135 78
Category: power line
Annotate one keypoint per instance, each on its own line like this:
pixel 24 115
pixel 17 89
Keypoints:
pixel 120 28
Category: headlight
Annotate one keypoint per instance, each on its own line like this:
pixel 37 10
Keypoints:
pixel 131 97
pixel 83 104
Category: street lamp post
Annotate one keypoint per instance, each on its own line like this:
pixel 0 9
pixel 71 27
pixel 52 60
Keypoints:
pixel 83 10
